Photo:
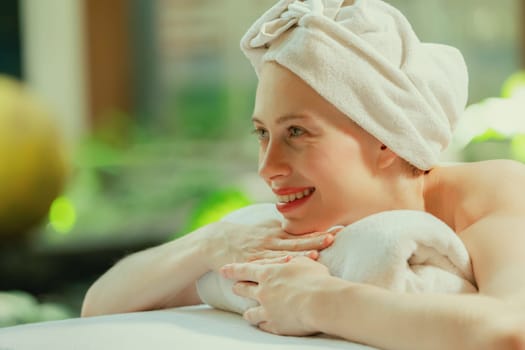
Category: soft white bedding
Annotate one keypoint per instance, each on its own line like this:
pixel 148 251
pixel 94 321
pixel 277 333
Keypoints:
pixel 196 327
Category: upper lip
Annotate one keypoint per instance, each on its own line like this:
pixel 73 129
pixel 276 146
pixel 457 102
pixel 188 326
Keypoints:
pixel 289 190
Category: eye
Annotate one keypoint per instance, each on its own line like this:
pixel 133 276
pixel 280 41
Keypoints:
pixel 261 133
pixel 294 131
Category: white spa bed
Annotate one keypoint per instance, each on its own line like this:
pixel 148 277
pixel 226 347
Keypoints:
pixel 196 327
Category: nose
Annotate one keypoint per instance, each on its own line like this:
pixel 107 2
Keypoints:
pixel 273 162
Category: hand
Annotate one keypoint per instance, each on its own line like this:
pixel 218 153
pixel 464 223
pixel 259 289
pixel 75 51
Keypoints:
pixel 231 243
pixel 286 292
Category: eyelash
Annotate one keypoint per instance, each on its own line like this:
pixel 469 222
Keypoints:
pixel 259 133
pixel 301 130
pixel 262 133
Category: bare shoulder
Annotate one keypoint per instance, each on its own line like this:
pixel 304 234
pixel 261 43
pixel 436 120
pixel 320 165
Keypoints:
pixel 491 170
pixel 495 196
pixel 493 184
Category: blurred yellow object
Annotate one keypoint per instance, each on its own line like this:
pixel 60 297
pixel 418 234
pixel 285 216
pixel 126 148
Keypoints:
pixel 33 165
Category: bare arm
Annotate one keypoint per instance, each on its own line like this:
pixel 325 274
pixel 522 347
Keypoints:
pixel 493 319
pixel 165 276
pixel 150 279
pixel 294 302
pixel 395 321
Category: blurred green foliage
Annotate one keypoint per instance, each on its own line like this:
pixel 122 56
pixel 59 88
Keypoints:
pixel 489 135
pixel 513 84
pixel 517 147
pixel 214 207
pixel 17 307
pixel 200 111
pixel 146 189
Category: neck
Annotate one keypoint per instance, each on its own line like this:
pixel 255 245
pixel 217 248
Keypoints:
pixel 405 191
pixel 409 193
pixel 437 196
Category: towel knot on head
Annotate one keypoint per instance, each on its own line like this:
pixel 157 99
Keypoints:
pixel 363 57
pixel 292 16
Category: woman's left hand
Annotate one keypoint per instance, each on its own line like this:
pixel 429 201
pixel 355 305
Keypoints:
pixel 286 291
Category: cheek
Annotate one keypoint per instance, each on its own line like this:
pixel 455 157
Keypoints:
pixel 337 195
pixel 341 180
pixel 333 162
pixel 341 149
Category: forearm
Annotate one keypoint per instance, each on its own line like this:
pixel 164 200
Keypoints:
pixel 150 279
pixel 389 320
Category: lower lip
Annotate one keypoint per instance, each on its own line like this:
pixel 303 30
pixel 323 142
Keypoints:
pixel 287 207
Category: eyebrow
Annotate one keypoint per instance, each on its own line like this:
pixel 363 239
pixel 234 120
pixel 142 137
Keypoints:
pixel 285 118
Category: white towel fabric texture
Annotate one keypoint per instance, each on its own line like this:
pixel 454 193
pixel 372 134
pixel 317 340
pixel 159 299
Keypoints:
pixel 363 57
pixel 400 250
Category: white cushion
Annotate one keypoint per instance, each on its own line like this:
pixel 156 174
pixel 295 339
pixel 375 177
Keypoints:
pixel 194 327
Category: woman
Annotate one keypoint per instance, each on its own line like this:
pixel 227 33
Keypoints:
pixel 300 297
pixel 351 112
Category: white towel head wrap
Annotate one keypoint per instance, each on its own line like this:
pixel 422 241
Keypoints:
pixel 364 58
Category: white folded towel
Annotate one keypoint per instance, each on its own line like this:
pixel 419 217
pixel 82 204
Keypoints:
pixel 401 250
pixel 364 58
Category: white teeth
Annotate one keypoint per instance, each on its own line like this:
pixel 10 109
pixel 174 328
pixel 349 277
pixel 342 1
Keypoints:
pixel 291 197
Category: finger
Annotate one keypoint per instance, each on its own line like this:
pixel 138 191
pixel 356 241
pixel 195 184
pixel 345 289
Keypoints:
pixel 282 254
pixel 271 223
pixel 335 229
pixel 312 254
pixel 246 289
pixel 298 259
pixel 255 315
pixel 306 262
pixel 267 327
pixel 277 260
pixel 242 271
pixel 295 244
pixel 287 235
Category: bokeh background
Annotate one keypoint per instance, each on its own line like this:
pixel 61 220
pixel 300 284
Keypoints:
pixel 126 123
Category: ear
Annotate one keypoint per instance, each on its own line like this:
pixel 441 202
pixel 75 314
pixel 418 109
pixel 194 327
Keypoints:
pixel 385 157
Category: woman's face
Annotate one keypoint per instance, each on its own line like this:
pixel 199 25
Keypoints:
pixel 319 163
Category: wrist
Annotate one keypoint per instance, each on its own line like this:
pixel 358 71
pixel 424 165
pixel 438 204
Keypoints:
pixel 325 304
pixel 207 245
pixel 195 244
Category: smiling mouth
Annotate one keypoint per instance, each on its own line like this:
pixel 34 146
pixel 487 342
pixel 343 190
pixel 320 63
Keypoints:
pixel 288 198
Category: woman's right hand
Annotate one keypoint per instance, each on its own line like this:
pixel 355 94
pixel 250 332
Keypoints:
pixel 230 243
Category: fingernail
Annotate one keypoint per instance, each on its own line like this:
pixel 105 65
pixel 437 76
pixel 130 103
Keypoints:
pixel 336 228
pixel 287 258
pixel 225 270
pixel 313 255
pixel 328 239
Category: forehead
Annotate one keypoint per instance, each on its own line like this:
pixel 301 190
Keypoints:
pixel 279 89
pixel 282 93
